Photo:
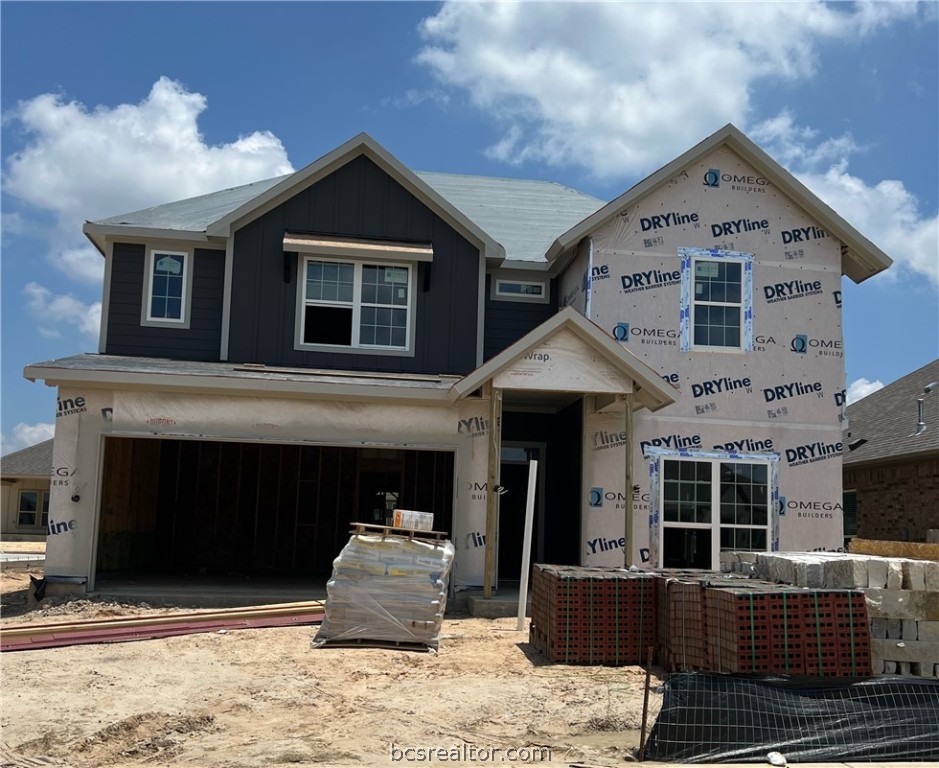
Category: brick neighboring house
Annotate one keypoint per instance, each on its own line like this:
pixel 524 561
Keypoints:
pixel 25 477
pixel 891 474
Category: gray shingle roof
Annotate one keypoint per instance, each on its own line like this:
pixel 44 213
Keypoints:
pixel 887 419
pixel 35 461
pixel 523 216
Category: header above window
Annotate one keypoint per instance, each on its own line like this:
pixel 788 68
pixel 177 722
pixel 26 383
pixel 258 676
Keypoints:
pixel 322 245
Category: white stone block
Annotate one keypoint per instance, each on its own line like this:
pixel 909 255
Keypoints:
pixel 890 667
pixel 931 575
pixel 928 630
pixel 809 573
pixel 894 574
pixel 905 650
pixel 879 628
pixel 914 577
pixel 877 573
pixel 846 572
pixel 903 668
pixel 894 629
pixel 909 630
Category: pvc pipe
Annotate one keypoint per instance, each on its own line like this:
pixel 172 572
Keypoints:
pixel 526 544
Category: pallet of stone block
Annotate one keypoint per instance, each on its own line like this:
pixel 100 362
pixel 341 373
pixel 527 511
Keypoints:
pixel 917 658
pixel 840 570
pixel 387 588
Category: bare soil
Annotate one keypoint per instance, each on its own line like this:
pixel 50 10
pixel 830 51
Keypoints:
pixel 263 697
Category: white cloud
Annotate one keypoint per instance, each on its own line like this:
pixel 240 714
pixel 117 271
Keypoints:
pixel 887 213
pixel 637 90
pixel 25 435
pixel 82 163
pixel 53 310
pixel 861 388
pixel 85 163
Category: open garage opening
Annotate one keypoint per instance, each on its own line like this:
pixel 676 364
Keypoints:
pixel 227 513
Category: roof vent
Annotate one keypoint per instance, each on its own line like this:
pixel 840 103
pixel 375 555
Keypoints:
pixel 921 409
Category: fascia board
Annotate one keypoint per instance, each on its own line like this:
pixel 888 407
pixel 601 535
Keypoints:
pixel 862 259
pixel 223 385
pixel 118 231
pixel 652 390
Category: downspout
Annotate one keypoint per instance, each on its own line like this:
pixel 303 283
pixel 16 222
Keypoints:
pixel 588 279
pixel 628 502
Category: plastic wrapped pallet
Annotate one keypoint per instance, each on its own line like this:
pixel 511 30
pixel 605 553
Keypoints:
pixel 387 589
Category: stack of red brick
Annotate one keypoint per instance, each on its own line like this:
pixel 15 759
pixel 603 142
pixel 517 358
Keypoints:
pixel 610 616
pixel 592 615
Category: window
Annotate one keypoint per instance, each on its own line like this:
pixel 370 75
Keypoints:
pixel 355 305
pixel 718 306
pixel 519 290
pixel 33 511
pixel 849 514
pixel 716 311
pixel 710 505
pixel 167 289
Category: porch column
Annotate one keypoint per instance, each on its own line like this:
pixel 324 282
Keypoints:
pixel 492 498
pixel 628 427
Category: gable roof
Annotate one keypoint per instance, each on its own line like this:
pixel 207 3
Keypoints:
pixel 861 259
pixel 34 461
pixel 650 389
pixel 521 216
pixel 887 420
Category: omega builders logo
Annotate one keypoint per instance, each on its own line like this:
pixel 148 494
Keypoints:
pixel 735 182
pixel 817 510
pixel 597 495
pixel 664 336
pixel 801 343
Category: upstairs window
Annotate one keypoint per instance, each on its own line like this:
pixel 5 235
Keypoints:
pixel 355 305
pixel 167 289
pixel 716 302
pixel 519 290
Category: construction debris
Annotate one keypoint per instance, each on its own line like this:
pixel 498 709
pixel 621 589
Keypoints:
pixel 124 629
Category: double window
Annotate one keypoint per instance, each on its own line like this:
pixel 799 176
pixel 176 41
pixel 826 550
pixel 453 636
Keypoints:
pixel 33 510
pixel 168 287
pixel 355 305
pixel 710 505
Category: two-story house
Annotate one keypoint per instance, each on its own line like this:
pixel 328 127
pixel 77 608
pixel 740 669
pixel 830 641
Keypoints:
pixel 280 359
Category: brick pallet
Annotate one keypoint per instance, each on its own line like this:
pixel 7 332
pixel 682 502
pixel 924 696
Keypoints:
pixel 592 615
pixel 763 628
pixel 681 626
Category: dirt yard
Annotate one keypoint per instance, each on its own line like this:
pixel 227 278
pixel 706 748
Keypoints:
pixel 263 697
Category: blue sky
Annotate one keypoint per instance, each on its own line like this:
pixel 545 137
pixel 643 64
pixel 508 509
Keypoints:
pixel 110 107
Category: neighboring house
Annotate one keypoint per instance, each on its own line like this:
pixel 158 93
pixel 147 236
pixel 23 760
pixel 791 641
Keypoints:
pixel 891 460
pixel 281 359
pixel 25 477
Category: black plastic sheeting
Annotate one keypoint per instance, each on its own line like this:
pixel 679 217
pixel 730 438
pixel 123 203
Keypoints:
pixel 711 718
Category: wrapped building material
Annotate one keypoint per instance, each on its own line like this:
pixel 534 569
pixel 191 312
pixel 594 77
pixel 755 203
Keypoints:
pixel 387 589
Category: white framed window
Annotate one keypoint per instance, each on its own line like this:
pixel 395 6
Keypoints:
pixel 717 301
pixel 355 306
pixel 33 509
pixel 504 289
pixel 709 505
pixel 167 289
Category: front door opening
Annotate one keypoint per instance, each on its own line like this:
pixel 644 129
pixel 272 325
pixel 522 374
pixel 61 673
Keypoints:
pixel 512 502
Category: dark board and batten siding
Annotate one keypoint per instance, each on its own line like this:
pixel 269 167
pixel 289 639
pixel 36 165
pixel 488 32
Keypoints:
pixel 358 200
pixel 126 336
pixel 508 321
